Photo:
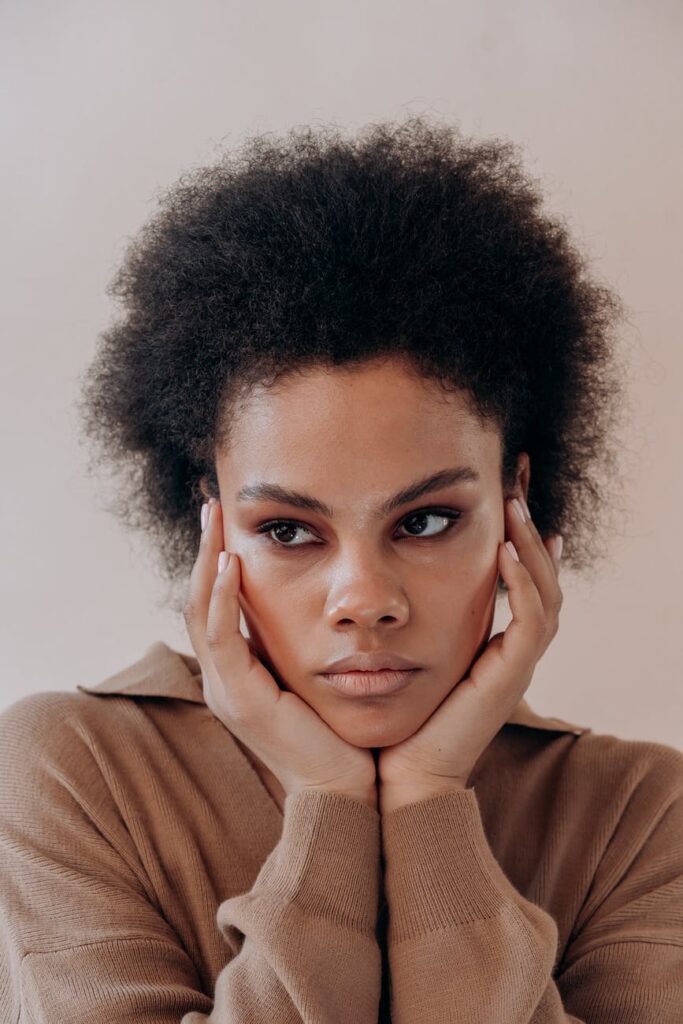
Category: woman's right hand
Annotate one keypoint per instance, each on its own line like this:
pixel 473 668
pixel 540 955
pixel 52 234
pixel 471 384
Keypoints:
pixel 284 732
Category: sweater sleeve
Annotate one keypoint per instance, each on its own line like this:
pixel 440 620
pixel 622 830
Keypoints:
pixel 464 944
pixel 83 940
pixel 305 933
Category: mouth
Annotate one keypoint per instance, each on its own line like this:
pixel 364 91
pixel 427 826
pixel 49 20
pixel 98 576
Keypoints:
pixel 370 684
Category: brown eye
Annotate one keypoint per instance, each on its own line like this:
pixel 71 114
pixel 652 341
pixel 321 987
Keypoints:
pixel 450 518
pixel 284 528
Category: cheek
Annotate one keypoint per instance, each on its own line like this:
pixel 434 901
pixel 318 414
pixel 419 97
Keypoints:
pixel 268 615
pixel 278 623
pixel 480 578
pixel 467 583
pixel 461 608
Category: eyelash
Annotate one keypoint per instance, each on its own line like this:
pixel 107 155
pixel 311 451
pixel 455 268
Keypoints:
pixel 450 514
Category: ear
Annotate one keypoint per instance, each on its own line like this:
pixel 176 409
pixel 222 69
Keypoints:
pixel 204 488
pixel 523 474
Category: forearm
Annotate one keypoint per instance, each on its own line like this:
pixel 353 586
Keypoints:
pixel 368 796
pixel 454 915
pixel 304 935
pixel 390 799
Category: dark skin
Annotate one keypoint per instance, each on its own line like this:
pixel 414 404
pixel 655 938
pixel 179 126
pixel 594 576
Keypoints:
pixel 362 581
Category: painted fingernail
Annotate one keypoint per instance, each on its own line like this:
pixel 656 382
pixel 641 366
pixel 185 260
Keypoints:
pixel 512 549
pixel 517 505
pixel 223 560
pixel 557 543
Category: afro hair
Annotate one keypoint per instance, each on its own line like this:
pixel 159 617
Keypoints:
pixel 315 249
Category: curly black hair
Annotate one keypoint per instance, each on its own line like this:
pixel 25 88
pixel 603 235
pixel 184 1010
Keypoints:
pixel 315 249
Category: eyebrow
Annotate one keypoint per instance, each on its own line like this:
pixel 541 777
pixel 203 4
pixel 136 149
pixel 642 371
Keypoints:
pixel 274 492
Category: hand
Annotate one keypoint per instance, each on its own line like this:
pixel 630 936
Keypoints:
pixel 440 756
pixel 278 726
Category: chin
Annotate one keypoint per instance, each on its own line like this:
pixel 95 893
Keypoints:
pixel 372 735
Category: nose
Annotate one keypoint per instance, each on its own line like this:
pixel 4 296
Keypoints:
pixel 368 600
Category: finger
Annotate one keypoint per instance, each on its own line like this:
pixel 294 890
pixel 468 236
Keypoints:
pixel 240 680
pixel 212 616
pixel 503 672
pixel 554 547
pixel 546 544
pixel 523 641
pixel 201 581
pixel 536 559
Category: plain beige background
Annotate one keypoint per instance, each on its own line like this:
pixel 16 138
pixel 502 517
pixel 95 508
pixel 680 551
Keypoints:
pixel 104 103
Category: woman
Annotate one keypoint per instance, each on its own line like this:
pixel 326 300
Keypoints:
pixel 381 377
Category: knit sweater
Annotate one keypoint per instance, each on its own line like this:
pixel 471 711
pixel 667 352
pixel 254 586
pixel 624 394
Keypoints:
pixel 147 875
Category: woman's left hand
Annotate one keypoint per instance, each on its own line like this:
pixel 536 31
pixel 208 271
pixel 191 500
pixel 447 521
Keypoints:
pixel 440 756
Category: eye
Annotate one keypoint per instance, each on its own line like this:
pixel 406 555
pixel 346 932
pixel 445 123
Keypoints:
pixel 449 517
pixel 284 528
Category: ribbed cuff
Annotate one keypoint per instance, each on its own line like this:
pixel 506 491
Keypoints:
pixel 327 860
pixel 440 869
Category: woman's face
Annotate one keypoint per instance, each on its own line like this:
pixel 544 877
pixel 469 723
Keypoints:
pixel 328 584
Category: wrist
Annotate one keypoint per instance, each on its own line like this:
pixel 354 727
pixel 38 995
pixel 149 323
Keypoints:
pixel 393 797
pixel 365 796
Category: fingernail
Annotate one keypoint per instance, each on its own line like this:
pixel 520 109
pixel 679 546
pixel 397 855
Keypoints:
pixel 512 549
pixel 525 506
pixel 517 505
pixel 557 543
pixel 204 515
pixel 223 560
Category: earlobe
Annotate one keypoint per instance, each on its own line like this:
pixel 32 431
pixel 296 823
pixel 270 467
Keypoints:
pixel 523 469
pixel 204 488
pixel 523 475
pixel 520 487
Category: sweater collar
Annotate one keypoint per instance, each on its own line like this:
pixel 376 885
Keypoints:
pixel 165 672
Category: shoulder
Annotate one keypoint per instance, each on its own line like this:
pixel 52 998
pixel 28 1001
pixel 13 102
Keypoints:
pixel 594 761
pixel 45 723
pixel 540 746
pixel 72 746
pixel 627 824
pixel 601 787
pixel 628 795
pixel 48 751
pixel 48 723
pixel 629 764
pixel 39 722
pixel 100 750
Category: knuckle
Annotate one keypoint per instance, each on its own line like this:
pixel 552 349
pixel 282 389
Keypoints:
pixel 541 630
pixel 539 623
pixel 190 612
pixel 213 638
pixel 232 710
pixel 221 701
pixel 238 713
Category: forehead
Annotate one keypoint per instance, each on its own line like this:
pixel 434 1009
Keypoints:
pixel 368 420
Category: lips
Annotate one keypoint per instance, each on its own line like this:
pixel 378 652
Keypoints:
pixel 370 661
pixel 369 684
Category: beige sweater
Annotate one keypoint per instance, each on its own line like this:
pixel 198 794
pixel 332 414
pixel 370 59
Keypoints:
pixel 147 876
